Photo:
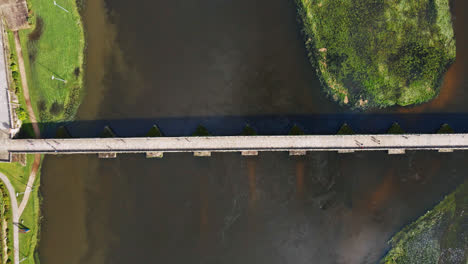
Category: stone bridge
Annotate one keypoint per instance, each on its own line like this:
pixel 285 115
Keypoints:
pixel 247 145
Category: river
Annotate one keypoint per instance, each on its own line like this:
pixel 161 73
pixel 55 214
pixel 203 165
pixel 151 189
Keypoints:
pixel 217 61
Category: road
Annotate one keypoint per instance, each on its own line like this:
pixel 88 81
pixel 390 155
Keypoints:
pixel 16 216
pixel 238 144
pixel 5 122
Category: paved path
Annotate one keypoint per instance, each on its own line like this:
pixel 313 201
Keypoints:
pixel 30 185
pixel 238 143
pixel 5 122
pixel 16 216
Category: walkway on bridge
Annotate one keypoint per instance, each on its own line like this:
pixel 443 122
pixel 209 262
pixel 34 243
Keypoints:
pixel 341 143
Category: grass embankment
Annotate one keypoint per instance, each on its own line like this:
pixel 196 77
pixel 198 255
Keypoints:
pixel 378 53
pixel 54 46
pixel 440 236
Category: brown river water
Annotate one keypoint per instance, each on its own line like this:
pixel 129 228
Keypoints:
pixel 169 59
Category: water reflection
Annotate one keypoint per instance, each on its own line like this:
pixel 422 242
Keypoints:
pixel 230 209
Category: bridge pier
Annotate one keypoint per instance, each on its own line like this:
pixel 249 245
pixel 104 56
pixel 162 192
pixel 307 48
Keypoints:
pixel 297 153
pixel 445 150
pixel 107 155
pixel 202 154
pixel 396 151
pixel 249 153
pixel 158 154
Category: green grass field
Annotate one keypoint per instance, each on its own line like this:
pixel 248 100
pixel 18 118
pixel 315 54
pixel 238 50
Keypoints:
pixel 378 53
pixel 54 46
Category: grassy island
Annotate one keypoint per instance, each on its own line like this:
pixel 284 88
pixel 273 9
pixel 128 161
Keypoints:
pixel 440 236
pixel 379 53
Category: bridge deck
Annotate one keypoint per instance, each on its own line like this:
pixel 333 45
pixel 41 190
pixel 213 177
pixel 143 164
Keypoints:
pixel 238 144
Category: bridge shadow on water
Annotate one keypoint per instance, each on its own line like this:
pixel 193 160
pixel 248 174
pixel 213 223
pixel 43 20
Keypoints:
pixel 316 124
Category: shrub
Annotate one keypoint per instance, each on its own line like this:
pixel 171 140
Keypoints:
pixel 21 114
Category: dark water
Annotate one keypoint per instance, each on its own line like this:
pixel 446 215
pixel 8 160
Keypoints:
pixel 179 60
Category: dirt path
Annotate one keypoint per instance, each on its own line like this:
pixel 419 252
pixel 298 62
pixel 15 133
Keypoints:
pixel 37 133
pixel 24 82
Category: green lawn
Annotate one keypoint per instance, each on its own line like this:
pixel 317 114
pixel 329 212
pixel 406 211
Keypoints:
pixel 378 53
pixel 54 46
pixel 18 174
pixel 438 237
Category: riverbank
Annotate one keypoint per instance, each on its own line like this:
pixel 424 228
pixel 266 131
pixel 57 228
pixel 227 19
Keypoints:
pixel 437 237
pixel 379 54
pixel 49 59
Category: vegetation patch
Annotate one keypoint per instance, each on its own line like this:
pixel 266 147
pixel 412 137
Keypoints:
pixel 379 53
pixel 445 129
pixel 108 132
pixel 18 175
pixel 249 131
pixel 440 236
pixel 201 131
pixel 296 131
pixel 345 130
pixel 154 132
pixel 395 129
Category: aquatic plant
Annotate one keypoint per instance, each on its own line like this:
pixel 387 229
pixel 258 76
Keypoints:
pixel 445 129
pixel 438 237
pixel 249 131
pixel 345 130
pixel 154 132
pixel 296 131
pixel 395 129
pixel 201 131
